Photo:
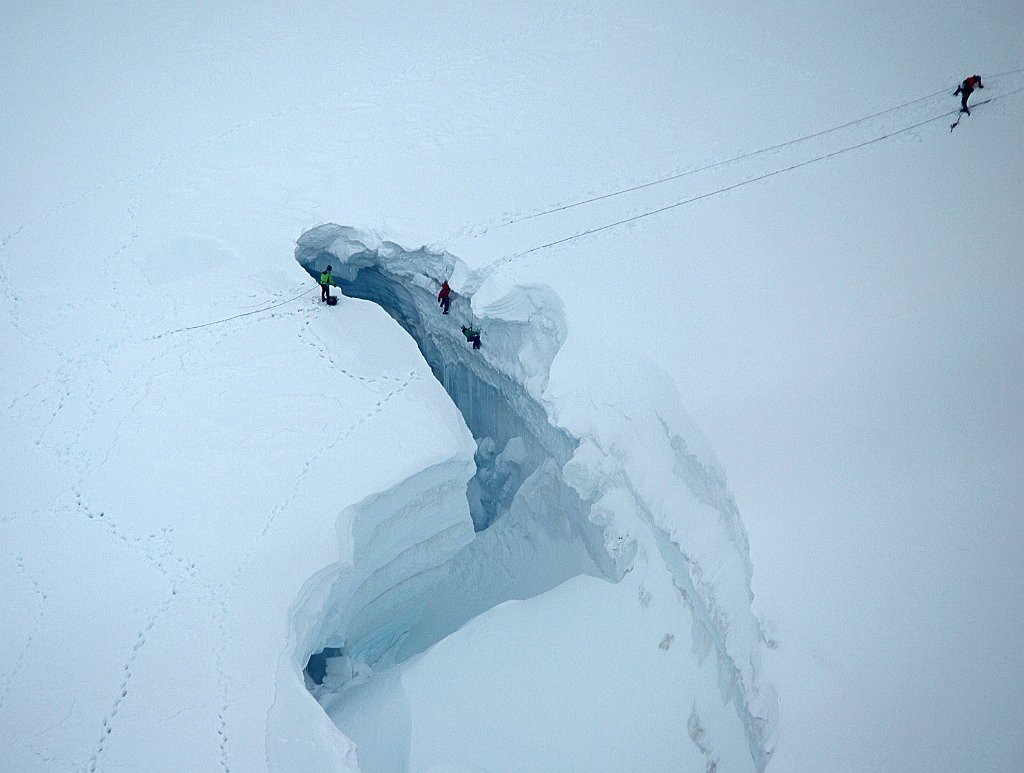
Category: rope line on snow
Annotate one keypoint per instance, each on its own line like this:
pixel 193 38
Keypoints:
pixel 667 179
pixel 716 164
pixel 237 316
pixel 1008 72
pixel 739 157
pixel 734 186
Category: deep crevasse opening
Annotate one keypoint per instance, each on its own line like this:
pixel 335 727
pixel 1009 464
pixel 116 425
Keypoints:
pixel 540 512
pixel 533 530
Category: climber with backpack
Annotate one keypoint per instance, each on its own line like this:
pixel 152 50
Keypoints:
pixel 326 280
pixel 965 89
pixel 472 336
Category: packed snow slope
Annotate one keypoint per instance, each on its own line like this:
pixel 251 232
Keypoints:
pixel 174 497
pixel 848 335
pixel 563 488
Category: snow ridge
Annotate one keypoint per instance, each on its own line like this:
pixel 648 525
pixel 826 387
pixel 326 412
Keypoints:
pixel 562 487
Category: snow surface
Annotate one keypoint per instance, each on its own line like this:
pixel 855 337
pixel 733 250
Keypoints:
pixel 198 481
pixel 208 476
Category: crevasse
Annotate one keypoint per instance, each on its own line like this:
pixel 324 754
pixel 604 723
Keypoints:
pixel 547 500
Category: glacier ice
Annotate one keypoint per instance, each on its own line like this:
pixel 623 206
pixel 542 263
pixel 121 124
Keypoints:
pixel 556 489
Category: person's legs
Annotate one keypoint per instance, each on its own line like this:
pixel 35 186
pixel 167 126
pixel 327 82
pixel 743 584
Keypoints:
pixel 963 101
pixel 323 292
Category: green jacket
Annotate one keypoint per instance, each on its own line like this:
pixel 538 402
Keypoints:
pixel 326 278
pixel 469 332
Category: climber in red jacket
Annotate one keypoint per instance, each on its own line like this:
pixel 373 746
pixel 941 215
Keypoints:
pixel 965 89
pixel 443 296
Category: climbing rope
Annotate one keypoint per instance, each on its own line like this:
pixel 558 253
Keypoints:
pixel 716 164
pixel 691 200
pixel 732 159
pixel 833 154
pixel 237 316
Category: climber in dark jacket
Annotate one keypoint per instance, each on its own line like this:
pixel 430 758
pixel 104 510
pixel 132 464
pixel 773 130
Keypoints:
pixel 965 89
pixel 472 336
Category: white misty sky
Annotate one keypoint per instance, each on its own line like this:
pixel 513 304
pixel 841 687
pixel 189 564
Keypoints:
pixel 849 336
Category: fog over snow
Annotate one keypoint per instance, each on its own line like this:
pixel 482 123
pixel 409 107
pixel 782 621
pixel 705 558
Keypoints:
pixel 733 483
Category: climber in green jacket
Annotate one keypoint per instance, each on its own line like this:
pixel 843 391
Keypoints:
pixel 326 280
pixel 472 336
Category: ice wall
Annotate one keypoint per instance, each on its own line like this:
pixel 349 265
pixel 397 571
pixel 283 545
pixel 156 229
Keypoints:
pixel 560 489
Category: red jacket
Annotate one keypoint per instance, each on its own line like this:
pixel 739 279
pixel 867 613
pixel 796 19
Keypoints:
pixel 445 291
